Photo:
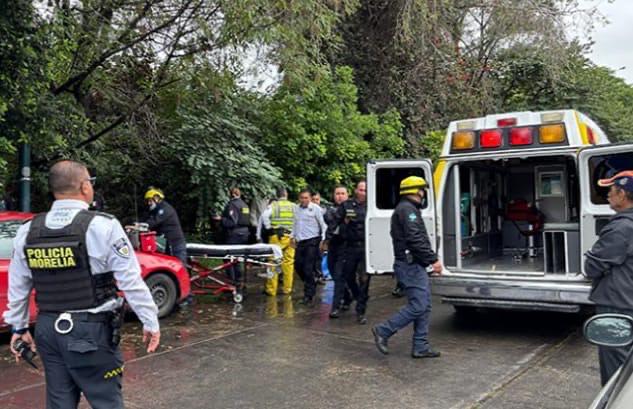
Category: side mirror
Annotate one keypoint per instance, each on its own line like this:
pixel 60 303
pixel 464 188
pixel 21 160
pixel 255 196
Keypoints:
pixel 611 330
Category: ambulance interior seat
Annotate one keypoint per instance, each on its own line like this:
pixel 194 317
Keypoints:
pixel 520 210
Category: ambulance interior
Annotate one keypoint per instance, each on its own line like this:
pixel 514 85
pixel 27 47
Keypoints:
pixel 512 216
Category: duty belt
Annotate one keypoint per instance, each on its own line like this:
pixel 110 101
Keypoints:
pixel 355 244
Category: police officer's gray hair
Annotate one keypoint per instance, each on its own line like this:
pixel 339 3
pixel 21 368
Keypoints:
pixel 66 176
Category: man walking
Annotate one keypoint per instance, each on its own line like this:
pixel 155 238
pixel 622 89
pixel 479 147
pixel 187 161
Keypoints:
pixel 278 218
pixel 236 222
pixel 308 231
pixel 350 222
pixel 609 264
pixel 77 260
pixel 342 297
pixel 413 253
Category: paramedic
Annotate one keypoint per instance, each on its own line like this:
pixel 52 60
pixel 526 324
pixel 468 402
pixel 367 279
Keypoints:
pixel 349 220
pixel 342 298
pixel 308 231
pixel 79 349
pixel 236 223
pixel 609 264
pixel 413 254
pixel 278 219
pixel 163 219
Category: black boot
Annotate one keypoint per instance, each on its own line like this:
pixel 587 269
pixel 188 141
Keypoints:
pixel 381 343
pixel 429 353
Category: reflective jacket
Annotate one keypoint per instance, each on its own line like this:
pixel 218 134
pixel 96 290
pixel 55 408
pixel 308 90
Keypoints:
pixel 409 236
pixel 282 214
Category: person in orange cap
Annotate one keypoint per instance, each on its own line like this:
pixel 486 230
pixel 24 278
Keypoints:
pixel 609 264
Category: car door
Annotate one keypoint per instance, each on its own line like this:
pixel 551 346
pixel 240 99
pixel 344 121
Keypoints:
pixel 596 163
pixel 383 194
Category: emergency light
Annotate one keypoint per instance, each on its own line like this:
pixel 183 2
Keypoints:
pixel 463 140
pixel 490 138
pixel 506 122
pixel 521 136
pixel 552 133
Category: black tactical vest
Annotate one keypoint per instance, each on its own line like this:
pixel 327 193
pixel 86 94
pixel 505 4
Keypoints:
pixel 59 264
pixel 243 213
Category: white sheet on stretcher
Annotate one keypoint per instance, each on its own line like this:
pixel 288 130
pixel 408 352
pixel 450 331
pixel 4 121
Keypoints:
pixel 273 249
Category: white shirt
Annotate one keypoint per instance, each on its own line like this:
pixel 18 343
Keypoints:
pixel 308 223
pixel 105 240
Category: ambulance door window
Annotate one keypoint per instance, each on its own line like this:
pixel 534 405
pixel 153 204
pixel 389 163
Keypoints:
pixel 388 185
pixel 603 167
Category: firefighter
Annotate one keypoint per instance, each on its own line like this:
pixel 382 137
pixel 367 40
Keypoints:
pixel 163 219
pixel 278 218
pixel 413 254
pixel 75 259
pixel 349 220
pixel 236 222
pixel 342 297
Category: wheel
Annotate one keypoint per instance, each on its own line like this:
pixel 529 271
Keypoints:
pixel 464 310
pixel 164 292
pixel 238 297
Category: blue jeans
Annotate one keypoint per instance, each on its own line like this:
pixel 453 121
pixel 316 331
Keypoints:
pixel 415 280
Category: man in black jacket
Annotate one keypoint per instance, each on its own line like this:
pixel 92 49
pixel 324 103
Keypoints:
pixel 236 222
pixel 609 264
pixel 163 219
pixel 349 221
pixel 413 254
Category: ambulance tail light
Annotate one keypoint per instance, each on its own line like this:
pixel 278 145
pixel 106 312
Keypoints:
pixel 463 140
pixel 490 138
pixel 552 134
pixel 506 122
pixel 521 136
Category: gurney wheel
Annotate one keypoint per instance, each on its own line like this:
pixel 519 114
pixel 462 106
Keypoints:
pixel 237 298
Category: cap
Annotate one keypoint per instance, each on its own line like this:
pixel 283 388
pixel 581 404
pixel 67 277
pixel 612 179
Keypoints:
pixel 624 180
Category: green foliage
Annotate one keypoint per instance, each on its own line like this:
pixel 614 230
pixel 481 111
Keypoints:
pixel 432 143
pixel 317 136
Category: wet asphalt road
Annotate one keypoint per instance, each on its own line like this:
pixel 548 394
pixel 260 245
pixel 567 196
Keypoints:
pixel 278 354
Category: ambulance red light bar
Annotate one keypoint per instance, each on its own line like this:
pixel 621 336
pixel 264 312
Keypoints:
pixel 490 138
pixel 521 136
pixel 506 122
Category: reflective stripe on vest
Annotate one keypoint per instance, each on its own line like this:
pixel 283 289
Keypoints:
pixel 282 214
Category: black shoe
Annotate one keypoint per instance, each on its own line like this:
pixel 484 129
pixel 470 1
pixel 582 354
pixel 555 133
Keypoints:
pixel 429 353
pixel 336 313
pixel 397 292
pixel 306 301
pixel 381 343
pixel 360 318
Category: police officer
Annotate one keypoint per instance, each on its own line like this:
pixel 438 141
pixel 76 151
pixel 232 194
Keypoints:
pixel 413 253
pixel 163 219
pixel 350 222
pixel 278 218
pixel 236 222
pixel 342 297
pixel 72 258
pixel 609 264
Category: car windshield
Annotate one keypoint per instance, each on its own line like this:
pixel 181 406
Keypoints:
pixel 8 230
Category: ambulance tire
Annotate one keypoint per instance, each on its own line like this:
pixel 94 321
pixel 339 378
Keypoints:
pixel 464 310
pixel 164 293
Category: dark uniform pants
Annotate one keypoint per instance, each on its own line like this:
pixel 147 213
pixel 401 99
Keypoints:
pixel 236 236
pixel 179 250
pixel 305 256
pixel 82 361
pixel 611 358
pixel 356 275
pixel 415 280
pixel 335 265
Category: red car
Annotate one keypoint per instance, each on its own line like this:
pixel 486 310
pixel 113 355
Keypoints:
pixel 166 277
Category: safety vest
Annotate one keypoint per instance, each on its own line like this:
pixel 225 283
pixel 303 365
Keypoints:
pixel 283 212
pixel 59 264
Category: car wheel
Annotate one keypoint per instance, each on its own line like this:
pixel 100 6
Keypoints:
pixel 464 310
pixel 164 293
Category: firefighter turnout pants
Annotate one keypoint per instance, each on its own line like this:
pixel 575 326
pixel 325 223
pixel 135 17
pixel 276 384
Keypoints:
pixel 287 266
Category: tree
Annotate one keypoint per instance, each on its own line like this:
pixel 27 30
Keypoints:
pixel 317 136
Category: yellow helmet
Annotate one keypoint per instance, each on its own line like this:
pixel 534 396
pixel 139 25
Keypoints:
pixel 152 191
pixel 411 185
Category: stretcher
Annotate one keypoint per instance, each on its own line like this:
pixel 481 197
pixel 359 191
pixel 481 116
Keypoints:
pixel 209 264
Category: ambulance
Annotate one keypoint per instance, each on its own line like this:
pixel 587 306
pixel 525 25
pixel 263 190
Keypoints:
pixel 515 207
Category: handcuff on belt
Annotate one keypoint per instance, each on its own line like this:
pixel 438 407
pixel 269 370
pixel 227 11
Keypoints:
pixel 64 317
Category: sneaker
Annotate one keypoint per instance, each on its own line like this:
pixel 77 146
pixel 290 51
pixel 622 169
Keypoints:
pixel 336 313
pixel 360 318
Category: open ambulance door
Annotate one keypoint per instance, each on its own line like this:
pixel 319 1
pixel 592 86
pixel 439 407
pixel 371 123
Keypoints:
pixel 383 194
pixel 596 163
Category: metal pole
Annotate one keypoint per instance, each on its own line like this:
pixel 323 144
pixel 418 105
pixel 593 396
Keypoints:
pixel 25 177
